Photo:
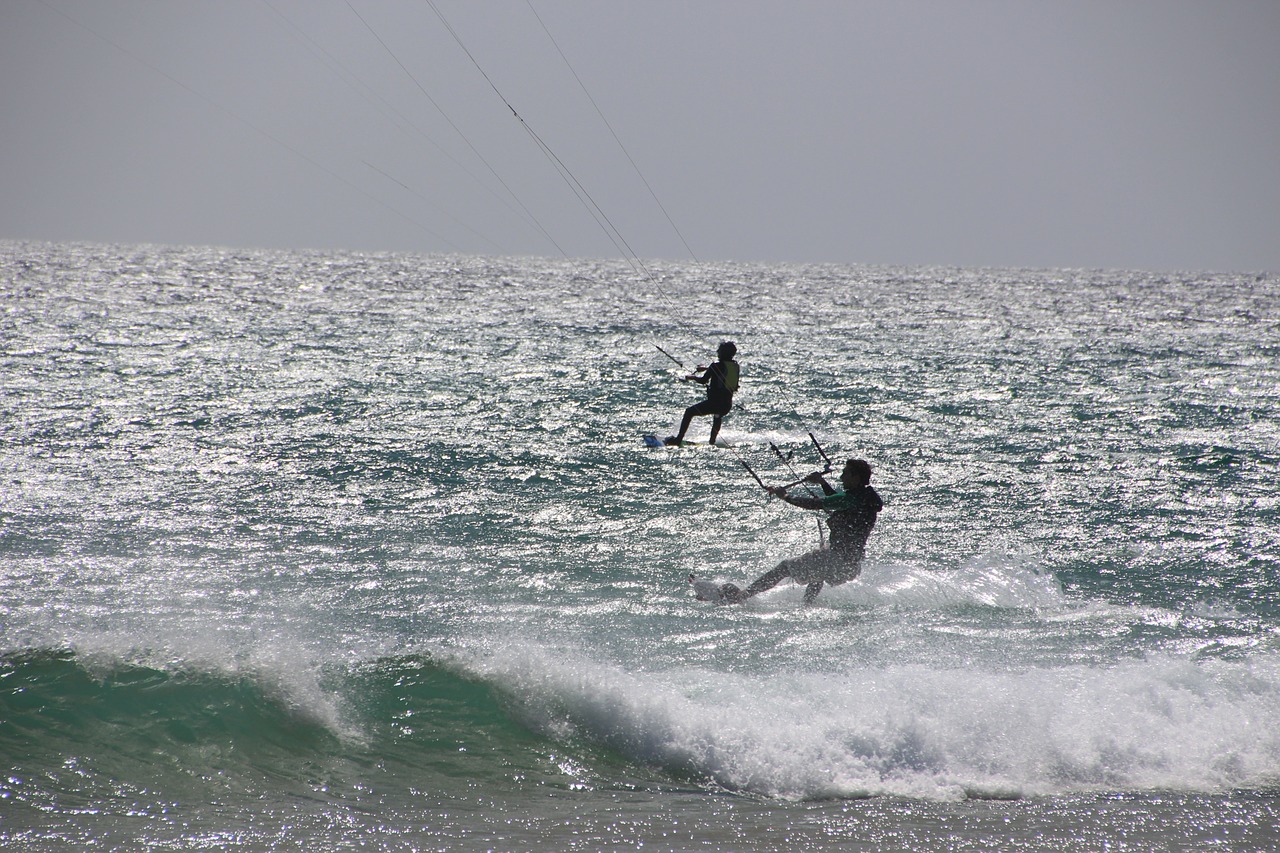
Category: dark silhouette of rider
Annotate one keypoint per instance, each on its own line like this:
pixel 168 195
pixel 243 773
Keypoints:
pixel 852 515
pixel 721 379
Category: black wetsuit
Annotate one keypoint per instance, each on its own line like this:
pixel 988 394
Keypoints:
pixel 853 515
pixel 721 379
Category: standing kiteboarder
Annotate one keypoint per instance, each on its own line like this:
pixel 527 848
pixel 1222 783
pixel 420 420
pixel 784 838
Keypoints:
pixel 721 379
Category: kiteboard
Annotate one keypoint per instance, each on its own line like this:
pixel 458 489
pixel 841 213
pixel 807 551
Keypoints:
pixel 652 441
pixel 705 590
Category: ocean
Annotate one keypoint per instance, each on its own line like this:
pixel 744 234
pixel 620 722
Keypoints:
pixel 308 550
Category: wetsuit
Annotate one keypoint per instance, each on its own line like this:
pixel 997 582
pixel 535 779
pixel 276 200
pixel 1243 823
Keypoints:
pixel 721 379
pixel 852 515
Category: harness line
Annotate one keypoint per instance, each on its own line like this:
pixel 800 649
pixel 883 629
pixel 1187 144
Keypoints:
pixel 527 212
pixel 614 133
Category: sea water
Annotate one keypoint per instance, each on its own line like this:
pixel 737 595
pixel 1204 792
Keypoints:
pixel 329 551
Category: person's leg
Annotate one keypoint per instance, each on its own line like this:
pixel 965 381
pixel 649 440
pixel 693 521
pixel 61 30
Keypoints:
pixel 812 569
pixel 684 423
pixel 768 580
pixel 689 414
pixel 679 438
pixel 715 427
pixel 847 572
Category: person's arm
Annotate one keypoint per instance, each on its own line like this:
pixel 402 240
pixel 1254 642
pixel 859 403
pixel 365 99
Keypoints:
pixel 816 477
pixel 802 502
pixel 705 370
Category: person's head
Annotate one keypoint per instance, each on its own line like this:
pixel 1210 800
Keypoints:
pixel 856 474
pixel 726 350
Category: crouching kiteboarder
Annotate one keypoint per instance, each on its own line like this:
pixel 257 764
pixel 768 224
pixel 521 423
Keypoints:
pixel 852 515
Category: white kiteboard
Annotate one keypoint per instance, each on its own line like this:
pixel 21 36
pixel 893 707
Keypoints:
pixel 705 590
pixel 653 441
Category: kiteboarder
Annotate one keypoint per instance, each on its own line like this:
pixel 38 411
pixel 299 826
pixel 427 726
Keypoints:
pixel 852 515
pixel 721 379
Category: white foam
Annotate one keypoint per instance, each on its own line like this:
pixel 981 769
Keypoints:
pixel 993 580
pixel 988 581
pixel 912 730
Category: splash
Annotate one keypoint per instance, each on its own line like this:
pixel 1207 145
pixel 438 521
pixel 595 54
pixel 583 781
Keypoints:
pixel 913 730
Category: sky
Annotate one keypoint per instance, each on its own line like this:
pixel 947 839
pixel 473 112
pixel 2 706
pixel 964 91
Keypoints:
pixel 1135 134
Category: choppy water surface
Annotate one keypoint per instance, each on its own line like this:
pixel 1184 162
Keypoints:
pixel 317 551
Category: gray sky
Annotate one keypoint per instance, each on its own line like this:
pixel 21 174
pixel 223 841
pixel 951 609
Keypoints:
pixel 1120 133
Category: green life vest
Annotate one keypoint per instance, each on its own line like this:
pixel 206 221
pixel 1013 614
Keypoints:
pixel 731 376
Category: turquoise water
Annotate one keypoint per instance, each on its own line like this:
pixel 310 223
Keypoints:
pixel 334 551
